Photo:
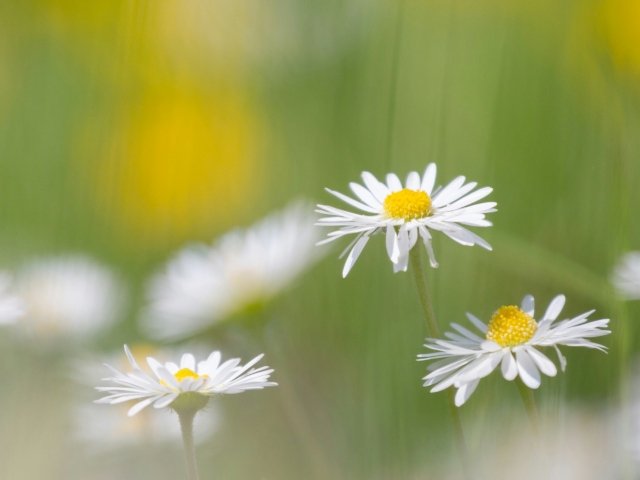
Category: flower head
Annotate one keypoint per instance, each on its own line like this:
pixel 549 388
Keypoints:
pixel 465 357
pixel 103 429
pixel 72 297
pixel 626 276
pixel 187 384
pixel 203 285
pixel 405 213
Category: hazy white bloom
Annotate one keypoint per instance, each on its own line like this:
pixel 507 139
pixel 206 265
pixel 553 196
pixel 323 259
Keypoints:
pixel 70 296
pixel 465 357
pixel 577 445
pixel 110 428
pixel 209 378
pixel 11 306
pixel 405 213
pixel 626 276
pixel 203 285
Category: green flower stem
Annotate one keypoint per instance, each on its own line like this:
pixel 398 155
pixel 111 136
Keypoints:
pixel 432 327
pixel 393 87
pixel 530 406
pixel 186 417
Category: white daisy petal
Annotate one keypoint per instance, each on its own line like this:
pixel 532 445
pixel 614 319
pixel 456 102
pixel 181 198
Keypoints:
pixel 449 192
pixel 365 195
pixel 429 178
pixel 477 323
pixel 393 250
pixel 413 181
pixel 378 189
pixel 527 369
pixel 393 182
pixel 545 365
pixel 509 367
pixel 528 305
pixel 465 391
pixel 188 361
pixel 554 308
pixel 354 254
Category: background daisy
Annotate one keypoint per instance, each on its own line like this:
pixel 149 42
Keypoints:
pixel 626 276
pixel 203 285
pixel 68 297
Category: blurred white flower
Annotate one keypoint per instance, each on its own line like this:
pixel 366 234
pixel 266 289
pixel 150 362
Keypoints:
pixel 208 379
pixel 70 297
pixel 579 445
pixel 203 285
pixel 404 214
pixel 11 306
pixel 466 358
pixel 106 429
pixel 626 276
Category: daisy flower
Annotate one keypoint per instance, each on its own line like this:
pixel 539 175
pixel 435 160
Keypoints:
pixel 626 276
pixel 11 306
pixel 170 382
pixel 71 296
pixel 203 285
pixel 405 213
pixel 103 429
pixel 466 357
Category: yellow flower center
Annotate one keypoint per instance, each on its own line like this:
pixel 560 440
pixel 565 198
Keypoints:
pixel 184 373
pixel 407 204
pixel 511 326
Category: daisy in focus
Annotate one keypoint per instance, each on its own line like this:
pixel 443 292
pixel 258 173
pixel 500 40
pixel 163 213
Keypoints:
pixel 69 297
pixel 203 285
pixel 626 276
pixel 405 213
pixel 511 339
pixel 187 384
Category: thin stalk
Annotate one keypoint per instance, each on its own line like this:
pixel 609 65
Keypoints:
pixel 432 327
pixel 530 406
pixel 186 425
pixel 393 87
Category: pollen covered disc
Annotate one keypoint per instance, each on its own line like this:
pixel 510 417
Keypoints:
pixel 407 204
pixel 511 326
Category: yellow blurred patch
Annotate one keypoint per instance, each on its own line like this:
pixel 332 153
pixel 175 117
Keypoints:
pixel 183 165
pixel 620 24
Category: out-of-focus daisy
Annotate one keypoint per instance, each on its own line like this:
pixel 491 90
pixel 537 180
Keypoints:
pixel 105 429
pixel 465 357
pixel 209 378
pixel 11 306
pixel 405 213
pixel 72 297
pixel 203 285
pixel 626 276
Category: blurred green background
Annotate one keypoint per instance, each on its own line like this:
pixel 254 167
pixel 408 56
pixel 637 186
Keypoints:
pixel 128 128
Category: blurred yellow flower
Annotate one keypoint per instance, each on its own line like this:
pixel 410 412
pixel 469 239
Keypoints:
pixel 620 26
pixel 183 163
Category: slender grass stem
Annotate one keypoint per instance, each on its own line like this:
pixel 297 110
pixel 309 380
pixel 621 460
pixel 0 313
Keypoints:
pixel 432 327
pixel 530 406
pixel 395 61
pixel 186 425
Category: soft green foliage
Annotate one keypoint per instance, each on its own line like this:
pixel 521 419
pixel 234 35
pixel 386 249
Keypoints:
pixel 495 93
